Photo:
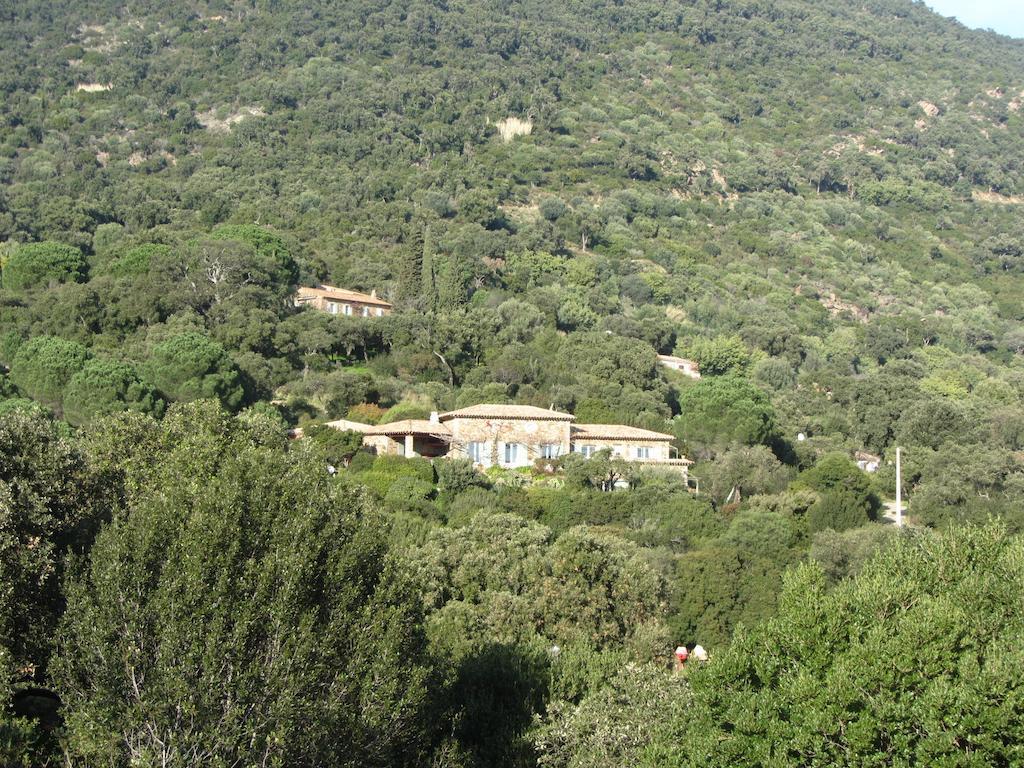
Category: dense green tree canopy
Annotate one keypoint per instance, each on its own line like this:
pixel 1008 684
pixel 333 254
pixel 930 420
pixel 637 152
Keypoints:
pixel 107 386
pixel 38 265
pixel 720 357
pixel 725 409
pixel 51 502
pixel 742 471
pixel 847 498
pixel 819 201
pixel 511 607
pixel 274 265
pixel 191 366
pixel 45 365
pixel 581 586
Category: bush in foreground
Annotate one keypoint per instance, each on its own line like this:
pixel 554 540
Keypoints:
pixel 916 661
pixel 247 616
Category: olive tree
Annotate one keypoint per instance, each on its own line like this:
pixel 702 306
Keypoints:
pixel 50 505
pixel 243 610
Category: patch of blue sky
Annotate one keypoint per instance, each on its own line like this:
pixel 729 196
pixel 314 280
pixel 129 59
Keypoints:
pixel 1004 16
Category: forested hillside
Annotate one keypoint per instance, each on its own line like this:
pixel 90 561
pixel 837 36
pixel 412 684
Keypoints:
pixel 818 201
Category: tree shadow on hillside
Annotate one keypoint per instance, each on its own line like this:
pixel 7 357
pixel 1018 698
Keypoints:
pixel 496 692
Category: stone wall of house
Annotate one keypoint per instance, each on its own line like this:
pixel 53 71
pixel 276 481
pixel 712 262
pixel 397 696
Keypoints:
pixel 625 449
pixel 359 309
pixel 529 435
pixel 383 445
pixel 397 445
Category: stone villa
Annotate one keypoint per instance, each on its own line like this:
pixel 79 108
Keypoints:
pixel 514 436
pixel 340 301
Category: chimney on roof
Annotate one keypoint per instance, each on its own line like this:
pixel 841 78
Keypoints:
pixel 434 418
pixel 373 293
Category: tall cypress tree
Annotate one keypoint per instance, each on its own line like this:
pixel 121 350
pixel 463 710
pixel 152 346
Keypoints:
pixel 410 275
pixel 428 291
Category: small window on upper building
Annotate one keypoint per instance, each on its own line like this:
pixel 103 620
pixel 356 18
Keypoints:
pixel 643 452
pixel 366 311
pixel 380 312
pixel 511 453
pixel 587 451
pixel 334 307
pixel 550 451
pixel 476 452
pixel 348 309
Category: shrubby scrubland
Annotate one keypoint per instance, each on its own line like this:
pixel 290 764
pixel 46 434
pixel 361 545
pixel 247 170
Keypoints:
pixel 200 589
pixel 817 202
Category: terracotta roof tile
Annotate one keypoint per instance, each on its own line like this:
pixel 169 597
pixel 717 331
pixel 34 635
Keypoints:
pixel 348 426
pixel 497 411
pixel 615 432
pixel 343 294
pixel 410 427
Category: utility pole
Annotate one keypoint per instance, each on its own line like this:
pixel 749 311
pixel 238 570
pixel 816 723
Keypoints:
pixel 899 492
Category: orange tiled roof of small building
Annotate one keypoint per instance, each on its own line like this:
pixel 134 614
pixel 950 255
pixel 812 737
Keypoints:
pixel 497 411
pixel 346 425
pixel 616 432
pixel 343 294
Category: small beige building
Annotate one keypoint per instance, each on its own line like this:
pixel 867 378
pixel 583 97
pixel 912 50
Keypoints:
pixel 686 367
pixel 408 437
pixel 340 301
pixel 630 443
pixel 640 446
